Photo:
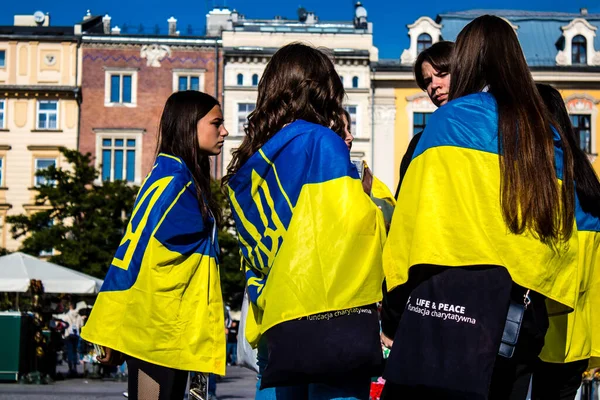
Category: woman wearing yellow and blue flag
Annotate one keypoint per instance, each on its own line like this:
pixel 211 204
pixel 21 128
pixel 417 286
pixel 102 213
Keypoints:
pixel 160 307
pixel 572 343
pixel 483 234
pixel 311 239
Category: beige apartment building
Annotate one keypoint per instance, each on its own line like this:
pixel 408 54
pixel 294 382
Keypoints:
pixel 39 108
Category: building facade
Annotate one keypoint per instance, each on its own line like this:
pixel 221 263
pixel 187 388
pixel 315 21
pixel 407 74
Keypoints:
pixel 126 80
pixel 248 45
pixel 561 49
pixel 39 109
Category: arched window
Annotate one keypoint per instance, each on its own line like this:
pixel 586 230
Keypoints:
pixel 342 79
pixel 355 82
pixel 255 80
pixel 423 42
pixel 240 79
pixel 579 50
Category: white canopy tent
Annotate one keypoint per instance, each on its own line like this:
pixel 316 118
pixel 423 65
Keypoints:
pixel 17 269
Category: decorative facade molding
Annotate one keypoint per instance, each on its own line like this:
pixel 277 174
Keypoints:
pixel 420 26
pixel 154 54
pixel 385 114
pixel 420 102
pixel 576 27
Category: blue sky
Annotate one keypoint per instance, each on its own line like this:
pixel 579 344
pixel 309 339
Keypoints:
pixel 389 17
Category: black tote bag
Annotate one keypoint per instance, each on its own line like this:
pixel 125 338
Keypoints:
pixel 449 334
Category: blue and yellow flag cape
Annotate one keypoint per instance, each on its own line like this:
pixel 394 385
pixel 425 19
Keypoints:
pixel 161 299
pixel 310 238
pixel 449 211
pixel 576 336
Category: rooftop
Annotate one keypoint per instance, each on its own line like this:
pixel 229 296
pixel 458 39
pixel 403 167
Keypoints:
pixel 518 14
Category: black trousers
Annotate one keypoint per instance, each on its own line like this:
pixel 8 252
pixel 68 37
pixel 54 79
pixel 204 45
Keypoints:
pixel 152 382
pixel 557 381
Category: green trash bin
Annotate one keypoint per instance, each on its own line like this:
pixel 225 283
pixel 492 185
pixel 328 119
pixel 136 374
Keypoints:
pixel 10 341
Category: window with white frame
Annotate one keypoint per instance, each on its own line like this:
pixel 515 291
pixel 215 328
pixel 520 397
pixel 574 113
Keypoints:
pixel 119 158
pixel 40 165
pixel 255 80
pixel 583 113
pixel 424 42
pixel 582 126
pixel 242 117
pixel 355 82
pixel 2 58
pixel 189 83
pixel 578 38
pixel 120 88
pixel 2 114
pixel 47 114
pixel 353 111
pixel 188 80
pixel 1 171
pixel 240 79
pixel 579 50
pixel 420 120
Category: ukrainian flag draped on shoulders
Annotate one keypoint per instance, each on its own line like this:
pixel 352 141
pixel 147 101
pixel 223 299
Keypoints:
pixel 161 299
pixel 449 211
pixel 311 239
pixel 576 336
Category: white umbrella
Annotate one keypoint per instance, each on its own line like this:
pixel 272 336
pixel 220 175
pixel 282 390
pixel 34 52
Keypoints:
pixel 17 269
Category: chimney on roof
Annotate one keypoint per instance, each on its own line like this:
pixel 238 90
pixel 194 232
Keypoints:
pixel 583 11
pixel 106 23
pixel 234 16
pixel 217 20
pixel 311 18
pixel 115 31
pixel 87 15
pixel 172 26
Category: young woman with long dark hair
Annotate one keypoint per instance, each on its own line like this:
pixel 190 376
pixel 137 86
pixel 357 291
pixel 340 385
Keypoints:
pixel 572 343
pixel 483 232
pixel 311 239
pixel 160 308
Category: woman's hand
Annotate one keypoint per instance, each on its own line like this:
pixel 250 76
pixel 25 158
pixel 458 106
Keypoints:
pixel 386 341
pixel 111 357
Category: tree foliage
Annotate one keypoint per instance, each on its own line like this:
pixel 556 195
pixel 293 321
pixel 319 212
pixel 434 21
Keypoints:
pixel 232 278
pixel 81 220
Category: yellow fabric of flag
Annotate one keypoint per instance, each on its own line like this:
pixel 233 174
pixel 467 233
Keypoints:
pixel 161 299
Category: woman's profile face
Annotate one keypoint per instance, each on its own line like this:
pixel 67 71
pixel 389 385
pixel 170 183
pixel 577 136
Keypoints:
pixel 348 138
pixel 212 132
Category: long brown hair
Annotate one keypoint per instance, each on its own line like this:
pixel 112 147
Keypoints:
pixel 587 184
pixel 299 82
pixel 178 136
pixel 487 54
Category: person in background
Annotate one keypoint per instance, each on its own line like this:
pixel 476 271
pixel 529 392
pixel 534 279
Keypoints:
pixel 232 333
pixel 71 335
pixel 572 343
pixel 160 307
pixel 432 73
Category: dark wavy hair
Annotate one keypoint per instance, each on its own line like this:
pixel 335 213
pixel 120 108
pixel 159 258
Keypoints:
pixel 299 82
pixel 438 55
pixel 487 54
pixel 178 136
pixel 587 184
